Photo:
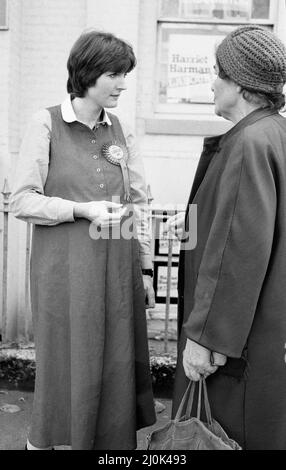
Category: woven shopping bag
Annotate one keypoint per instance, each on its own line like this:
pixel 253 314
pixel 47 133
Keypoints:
pixel 190 433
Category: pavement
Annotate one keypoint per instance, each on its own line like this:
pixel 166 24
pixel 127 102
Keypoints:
pixel 15 415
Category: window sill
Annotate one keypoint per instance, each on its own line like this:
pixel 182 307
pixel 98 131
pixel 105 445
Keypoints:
pixel 195 126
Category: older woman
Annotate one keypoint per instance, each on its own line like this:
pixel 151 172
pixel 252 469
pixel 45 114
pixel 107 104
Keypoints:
pixel 93 387
pixel 232 285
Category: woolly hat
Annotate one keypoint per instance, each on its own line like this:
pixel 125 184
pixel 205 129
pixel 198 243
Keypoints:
pixel 254 58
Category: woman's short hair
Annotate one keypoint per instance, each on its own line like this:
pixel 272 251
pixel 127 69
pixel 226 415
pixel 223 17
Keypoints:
pixel 93 54
pixel 265 100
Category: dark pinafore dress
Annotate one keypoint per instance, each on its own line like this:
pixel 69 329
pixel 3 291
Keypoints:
pixel 93 387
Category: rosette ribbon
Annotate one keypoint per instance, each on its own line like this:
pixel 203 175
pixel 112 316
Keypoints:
pixel 117 154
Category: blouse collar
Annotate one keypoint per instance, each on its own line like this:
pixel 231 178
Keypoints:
pixel 69 116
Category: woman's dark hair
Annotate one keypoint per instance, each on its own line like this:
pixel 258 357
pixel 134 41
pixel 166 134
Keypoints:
pixel 265 100
pixel 93 54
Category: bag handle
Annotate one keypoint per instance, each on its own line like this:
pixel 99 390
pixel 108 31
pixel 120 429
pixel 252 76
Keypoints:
pixel 207 404
pixel 203 386
pixel 190 390
pixel 199 406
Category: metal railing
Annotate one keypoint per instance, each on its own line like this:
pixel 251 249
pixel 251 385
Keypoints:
pixel 154 216
pixel 158 216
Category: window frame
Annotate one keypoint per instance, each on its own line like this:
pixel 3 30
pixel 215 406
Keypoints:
pixel 205 110
pixel 5 26
pixel 269 21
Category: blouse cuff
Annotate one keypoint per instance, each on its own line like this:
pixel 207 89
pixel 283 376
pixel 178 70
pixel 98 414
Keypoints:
pixel 66 211
pixel 146 261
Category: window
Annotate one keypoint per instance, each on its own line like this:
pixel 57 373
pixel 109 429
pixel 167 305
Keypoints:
pixel 238 11
pixel 3 14
pixel 189 31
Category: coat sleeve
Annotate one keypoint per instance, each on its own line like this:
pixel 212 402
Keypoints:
pixel 236 256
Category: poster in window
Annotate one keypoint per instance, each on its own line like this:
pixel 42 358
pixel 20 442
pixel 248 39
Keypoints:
pixel 190 69
pixel 3 14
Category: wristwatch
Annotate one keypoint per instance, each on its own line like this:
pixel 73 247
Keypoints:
pixel 147 272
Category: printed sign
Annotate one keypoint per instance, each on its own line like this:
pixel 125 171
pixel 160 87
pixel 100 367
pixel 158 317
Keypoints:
pixel 190 68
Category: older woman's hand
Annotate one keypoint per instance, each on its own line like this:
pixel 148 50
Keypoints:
pixel 175 225
pixel 197 361
pixel 101 213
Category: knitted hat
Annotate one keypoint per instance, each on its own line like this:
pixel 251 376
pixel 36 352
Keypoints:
pixel 254 58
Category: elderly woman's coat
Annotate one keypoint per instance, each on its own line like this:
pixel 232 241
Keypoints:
pixel 232 286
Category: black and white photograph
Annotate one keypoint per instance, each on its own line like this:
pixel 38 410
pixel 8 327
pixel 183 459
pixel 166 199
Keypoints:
pixel 143 228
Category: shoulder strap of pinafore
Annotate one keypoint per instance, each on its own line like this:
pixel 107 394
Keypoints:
pixel 117 129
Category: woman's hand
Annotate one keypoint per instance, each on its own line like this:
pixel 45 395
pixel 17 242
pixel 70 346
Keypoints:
pixel 149 292
pixel 197 361
pixel 101 213
pixel 175 225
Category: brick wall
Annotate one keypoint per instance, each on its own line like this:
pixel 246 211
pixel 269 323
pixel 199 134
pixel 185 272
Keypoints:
pixel 15 49
pixel 50 27
pixel 4 89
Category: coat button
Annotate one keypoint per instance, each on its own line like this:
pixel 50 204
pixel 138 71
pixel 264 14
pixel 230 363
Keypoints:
pixel 93 141
pixel 98 170
pixel 95 157
pixel 101 186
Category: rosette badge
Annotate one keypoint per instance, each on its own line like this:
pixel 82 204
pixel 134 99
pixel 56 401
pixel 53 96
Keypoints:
pixel 117 154
pixel 114 152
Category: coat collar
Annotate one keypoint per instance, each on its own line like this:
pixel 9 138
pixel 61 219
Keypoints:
pixel 213 145
pixel 216 141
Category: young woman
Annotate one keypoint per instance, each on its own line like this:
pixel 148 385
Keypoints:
pixel 93 387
